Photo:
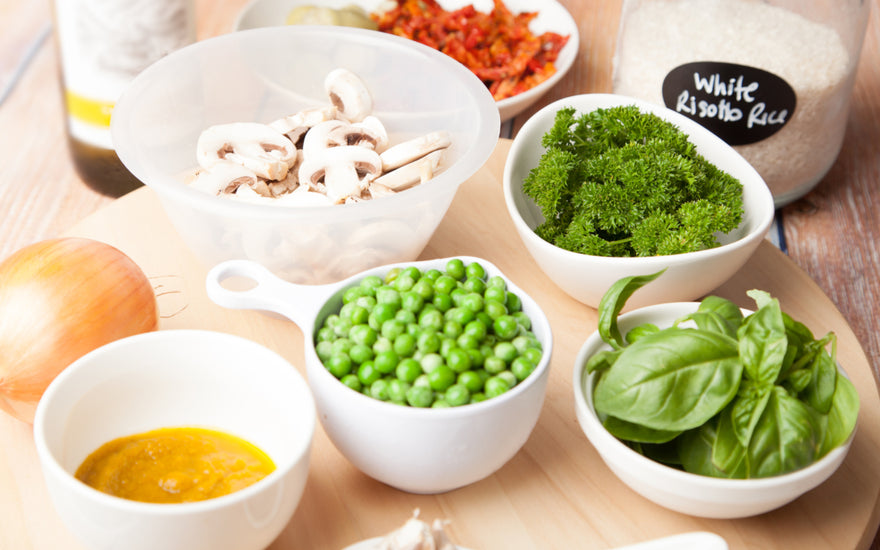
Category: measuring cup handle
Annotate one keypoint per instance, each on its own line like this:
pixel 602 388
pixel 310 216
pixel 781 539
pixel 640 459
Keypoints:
pixel 299 303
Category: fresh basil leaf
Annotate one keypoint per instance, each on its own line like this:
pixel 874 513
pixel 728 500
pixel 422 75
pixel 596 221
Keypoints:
pixel 641 330
pixel 799 338
pixel 601 360
pixel 612 303
pixel 695 451
pixel 747 409
pixel 664 453
pixel 713 322
pixel 724 307
pixel 672 380
pixel 840 421
pixel 797 380
pixel 819 393
pixel 621 429
pixel 785 438
pixel 763 342
pixel 728 452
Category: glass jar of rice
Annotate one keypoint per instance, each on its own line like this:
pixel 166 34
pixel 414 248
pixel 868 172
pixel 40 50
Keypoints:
pixel 773 78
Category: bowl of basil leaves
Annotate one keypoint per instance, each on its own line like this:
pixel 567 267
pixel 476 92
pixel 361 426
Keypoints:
pixel 601 186
pixel 712 410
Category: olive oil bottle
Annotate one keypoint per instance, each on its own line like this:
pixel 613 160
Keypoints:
pixel 102 45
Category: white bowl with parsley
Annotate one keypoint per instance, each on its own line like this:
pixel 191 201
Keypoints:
pixel 711 410
pixel 645 189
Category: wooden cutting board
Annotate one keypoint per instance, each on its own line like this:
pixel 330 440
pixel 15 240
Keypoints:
pixel 556 493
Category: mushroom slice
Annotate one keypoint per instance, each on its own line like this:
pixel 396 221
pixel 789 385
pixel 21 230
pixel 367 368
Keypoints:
pixel 410 150
pixel 224 177
pixel 353 134
pixel 344 171
pixel 349 94
pixel 317 140
pixel 375 125
pixel 296 125
pixel 259 147
pixel 377 190
pixel 408 175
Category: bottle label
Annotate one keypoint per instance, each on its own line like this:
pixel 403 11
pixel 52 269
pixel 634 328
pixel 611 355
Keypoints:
pixel 103 44
pixel 738 103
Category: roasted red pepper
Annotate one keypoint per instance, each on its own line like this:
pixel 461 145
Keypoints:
pixel 497 46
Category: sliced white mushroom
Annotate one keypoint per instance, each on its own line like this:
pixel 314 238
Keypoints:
pixel 223 177
pixel 378 190
pixel 408 175
pixel 349 94
pixel 344 171
pixel 374 125
pixel 258 147
pixel 416 148
pixel 318 137
pixel 296 125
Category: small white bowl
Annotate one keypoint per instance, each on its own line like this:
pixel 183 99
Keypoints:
pixel 586 278
pixel 691 494
pixel 168 379
pixel 552 16
pixel 412 449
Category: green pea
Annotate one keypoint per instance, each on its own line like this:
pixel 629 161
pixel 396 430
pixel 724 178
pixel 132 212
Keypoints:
pixel 475 270
pixel 404 345
pixel 404 282
pixel 457 395
pixel 458 360
pixel 440 404
pixel 413 272
pixel 446 346
pixel 455 268
pixel 324 350
pixel 470 380
pixel 473 302
pixel 508 377
pixel 420 396
pixel 505 327
pixel 534 355
pixel 360 353
pixel 442 302
pixel 388 295
pixel 397 390
pixel 325 334
pixel 521 367
pixel 513 303
pixel 412 301
pixel 523 319
pixel 476 328
pixel 392 328
pixel 432 274
pixel 460 315
pixel 352 293
pixel 408 370
pixel 478 397
pixel 475 285
pixel 468 341
pixel 444 284
pixel 431 319
pixel 458 295
pixel 441 378
pixel 370 283
pixel 428 341
pixel 476 356
pixel 452 329
pixel 382 344
pixel 363 334
pixel 386 361
pixel 366 302
pixel 430 361
pixel 496 293
pixel 367 373
pixel 359 314
pixel 494 364
pixel 381 313
pixel 424 287
pixel 405 316
pixel 352 381
pixel 341 345
pixel 505 351
pixel 494 309
pixel 379 390
pixel 339 364
pixel 495 386
pixel 342 326
pixel 422 381
pixel 392 274
pixel 496 281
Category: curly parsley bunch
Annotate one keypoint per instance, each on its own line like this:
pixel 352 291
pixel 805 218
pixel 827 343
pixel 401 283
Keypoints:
pixel 619 182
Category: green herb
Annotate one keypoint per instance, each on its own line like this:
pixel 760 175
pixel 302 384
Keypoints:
pixel 619 182
pixel 725 395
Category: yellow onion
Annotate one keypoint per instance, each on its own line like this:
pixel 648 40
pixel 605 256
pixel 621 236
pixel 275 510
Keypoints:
pixel 60 299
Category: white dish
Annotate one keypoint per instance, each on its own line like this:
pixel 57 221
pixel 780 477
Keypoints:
pixel 552 16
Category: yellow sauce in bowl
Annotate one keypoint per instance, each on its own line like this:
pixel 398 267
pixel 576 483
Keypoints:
pixel 174 465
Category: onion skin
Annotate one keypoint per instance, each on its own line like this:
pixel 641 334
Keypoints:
pixel 60 299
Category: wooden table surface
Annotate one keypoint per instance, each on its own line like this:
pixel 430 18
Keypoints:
pixel 830 233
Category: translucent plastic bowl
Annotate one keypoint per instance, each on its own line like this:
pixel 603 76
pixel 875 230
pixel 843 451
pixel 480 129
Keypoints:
pixel 262 74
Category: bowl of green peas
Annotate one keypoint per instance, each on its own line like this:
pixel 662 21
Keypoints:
pixel 427 376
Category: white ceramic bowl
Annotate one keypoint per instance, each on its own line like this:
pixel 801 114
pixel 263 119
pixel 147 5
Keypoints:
pixel 688 276
pixel 677 490
pixel 263 74
pixel 412 449
pixel 552 16
pixel 167 379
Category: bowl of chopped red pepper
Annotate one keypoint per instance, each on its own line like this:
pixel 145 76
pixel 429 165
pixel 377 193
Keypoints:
pixel 518 48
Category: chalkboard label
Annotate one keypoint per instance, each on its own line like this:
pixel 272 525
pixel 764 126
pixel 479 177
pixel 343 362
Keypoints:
pixel 739 104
